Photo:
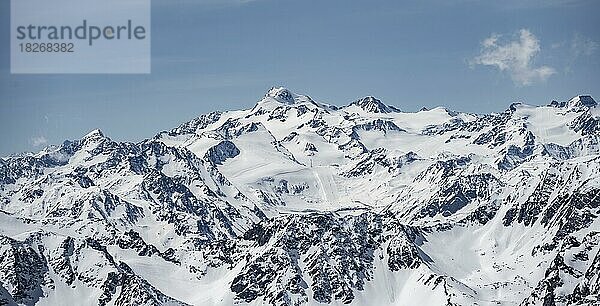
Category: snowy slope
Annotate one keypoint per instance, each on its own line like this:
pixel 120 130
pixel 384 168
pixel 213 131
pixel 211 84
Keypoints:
pixel 296 202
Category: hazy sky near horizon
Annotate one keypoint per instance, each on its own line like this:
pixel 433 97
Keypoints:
pixel 467 55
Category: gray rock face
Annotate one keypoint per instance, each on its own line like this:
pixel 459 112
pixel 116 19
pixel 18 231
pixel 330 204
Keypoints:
pixel 331 256
pixel 221 152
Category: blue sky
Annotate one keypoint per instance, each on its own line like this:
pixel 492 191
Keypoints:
pixel 475 56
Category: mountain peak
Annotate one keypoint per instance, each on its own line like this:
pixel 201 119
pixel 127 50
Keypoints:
pixel 94 134
pixel 580 101
pixel 374 105
pixel 281 94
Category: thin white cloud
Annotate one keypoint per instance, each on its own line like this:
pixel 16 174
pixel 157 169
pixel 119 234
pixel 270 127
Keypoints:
pixel 38 141
pixel 514 57
pixel 583 46
pixel 557 45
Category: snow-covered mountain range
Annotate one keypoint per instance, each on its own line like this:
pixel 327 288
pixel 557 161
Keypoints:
pixel 296 202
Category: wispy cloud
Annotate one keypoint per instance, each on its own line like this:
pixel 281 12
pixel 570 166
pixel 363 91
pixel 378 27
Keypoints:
pixel 514 57
pixel 583 46
pixel 38 141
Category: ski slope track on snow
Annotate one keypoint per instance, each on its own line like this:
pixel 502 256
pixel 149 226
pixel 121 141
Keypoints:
pixel 297 202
